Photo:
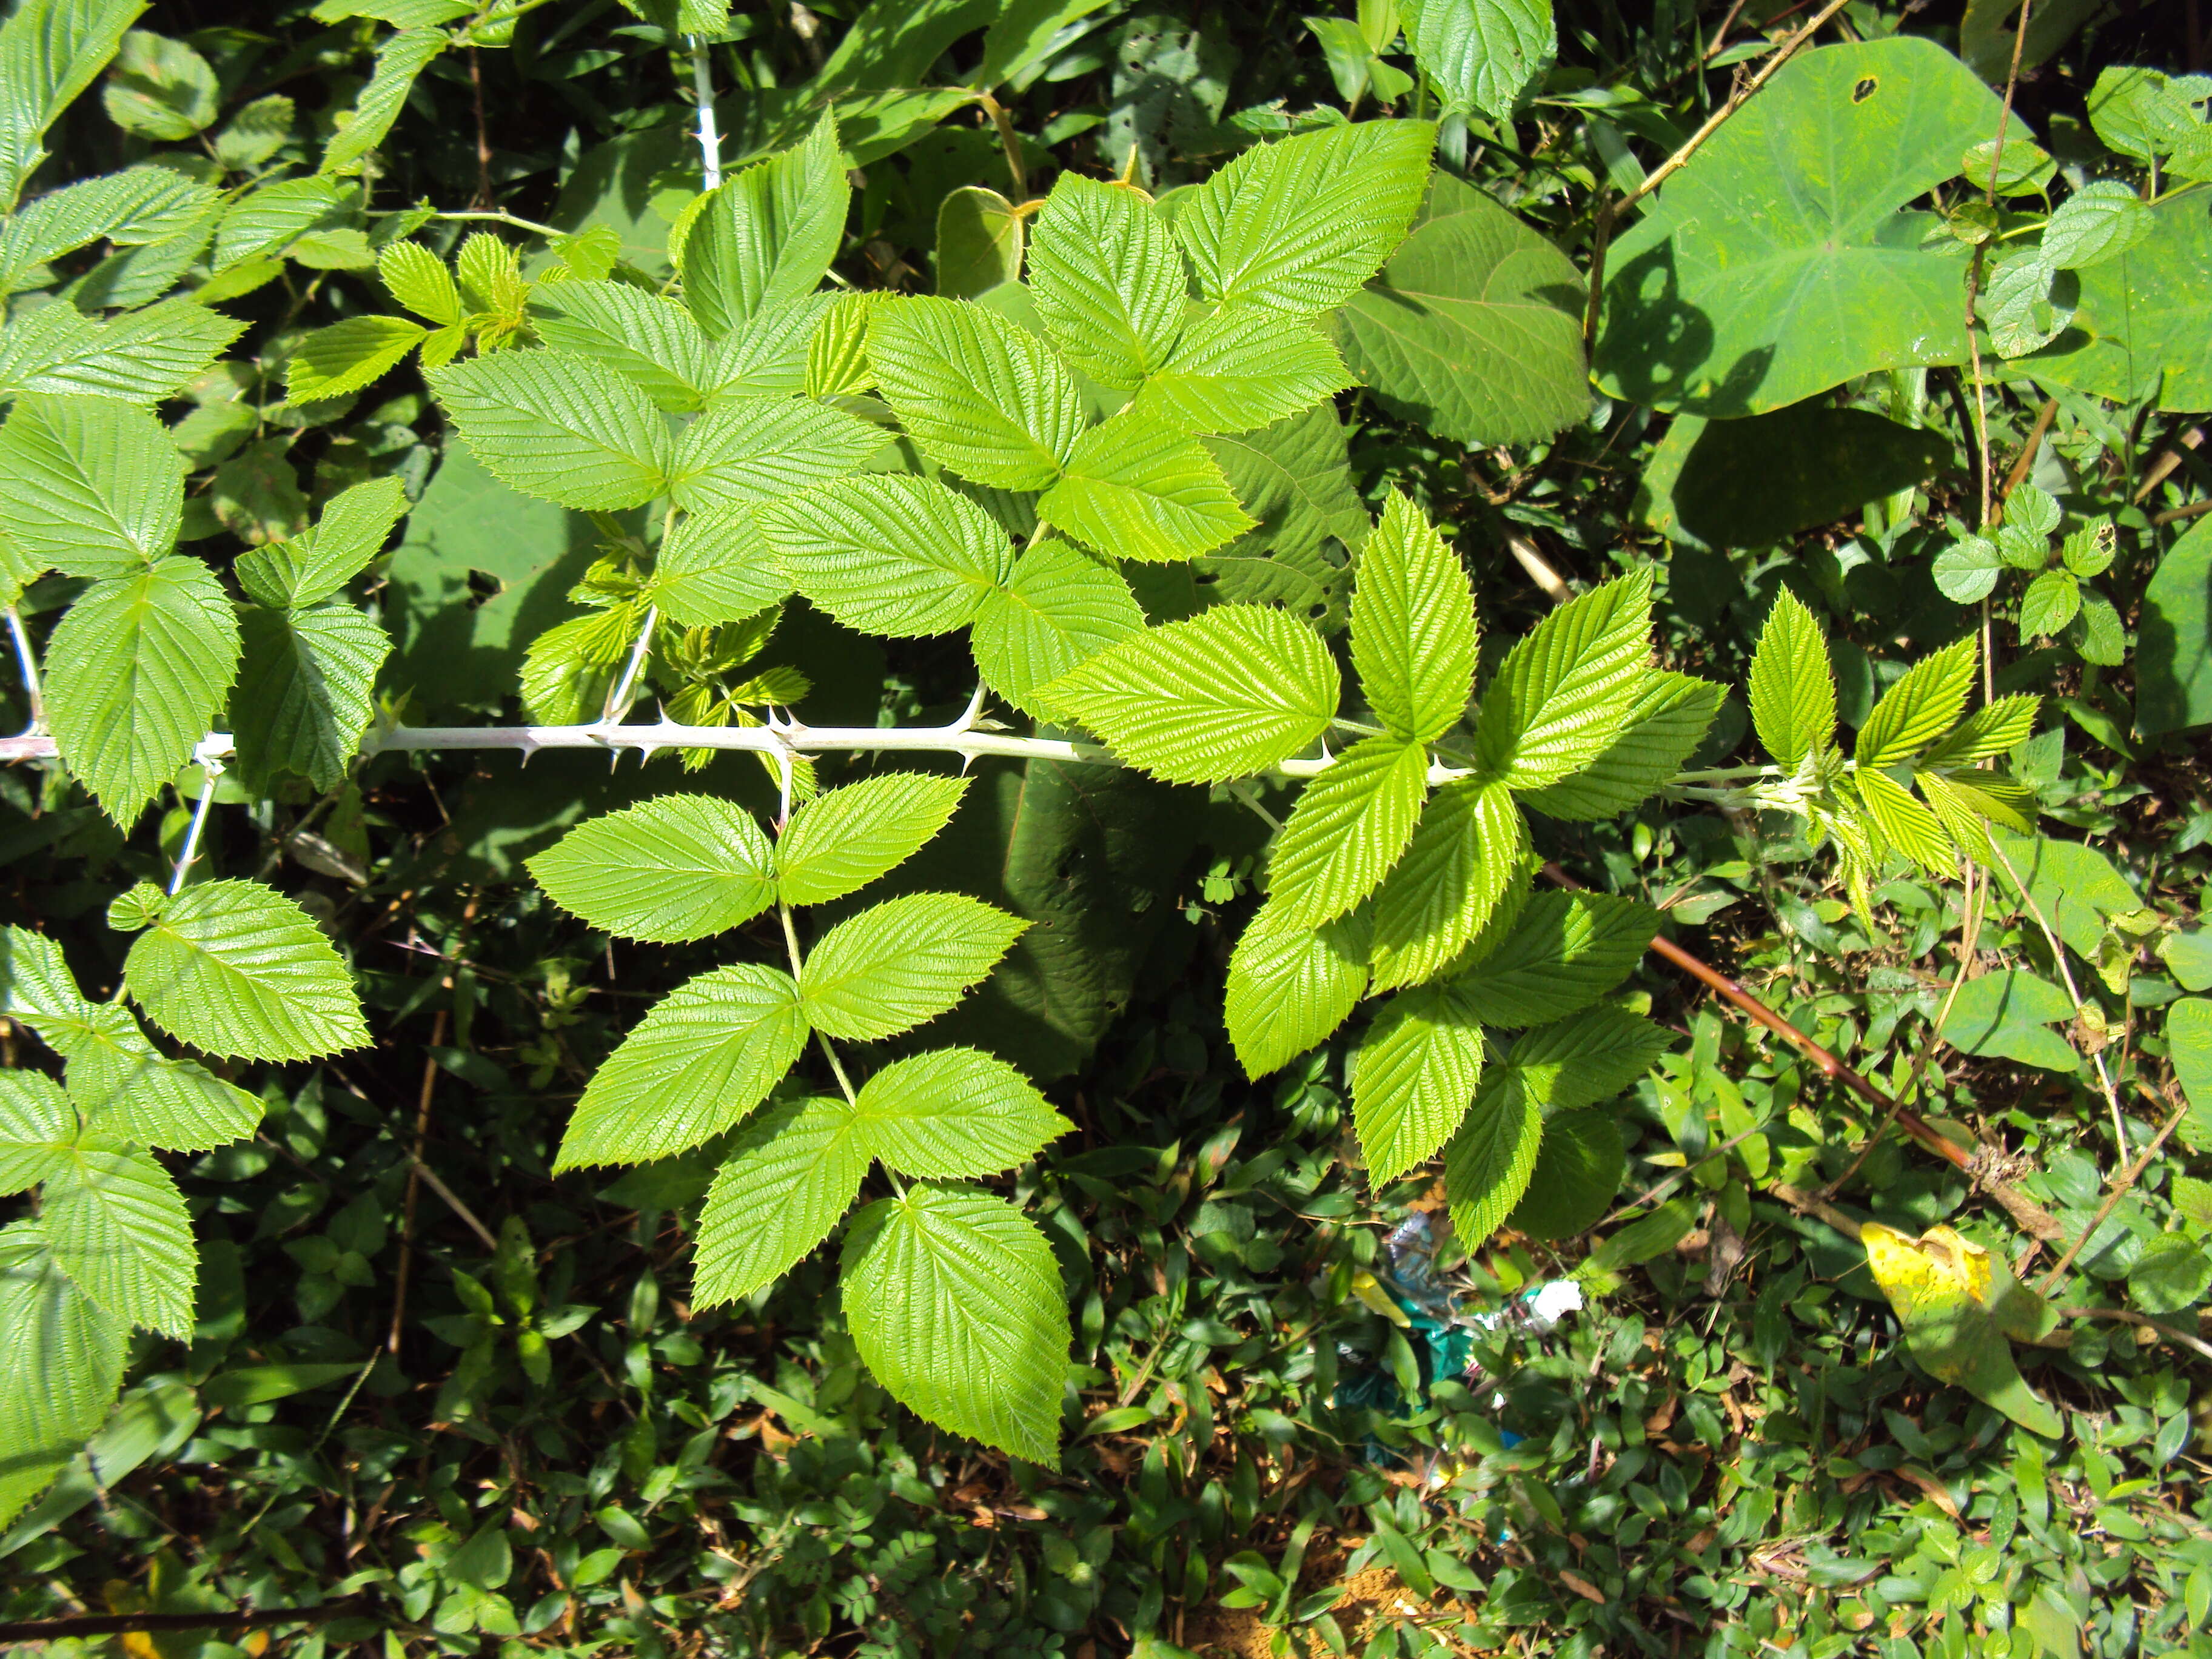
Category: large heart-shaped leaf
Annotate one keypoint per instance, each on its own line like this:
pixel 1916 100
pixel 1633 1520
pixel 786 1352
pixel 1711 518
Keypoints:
pixel 1776 264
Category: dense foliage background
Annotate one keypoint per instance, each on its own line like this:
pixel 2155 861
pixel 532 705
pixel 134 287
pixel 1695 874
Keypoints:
pixel 473 1395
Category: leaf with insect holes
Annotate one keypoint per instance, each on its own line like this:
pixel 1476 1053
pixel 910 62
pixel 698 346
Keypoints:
pixel 843 839
pixel 676 868
pixel 901 962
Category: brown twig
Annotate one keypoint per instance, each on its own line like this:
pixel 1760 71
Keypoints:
pixel 128 1624
pixel 2171 1333
pixel 415 1168
pixel 2025 458
pixel 1601 233
pixel 2031 1216
pixel 2188 512
pixel 482 199
pixel 2120 1189
pixel 2167 459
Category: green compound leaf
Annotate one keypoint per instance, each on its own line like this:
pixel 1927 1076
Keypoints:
pixel 89 486
pixel 1062 606
pixel 1924 704
pixel 317 562
pixel 1349 828
pixel 1474 329
pixel 118 1226
pixel 134 676
pixel 902 961
pixel 1793 692
pixel 1579 1164
pixel 235 968
pixel 1107 280
pixel 61 1362
pixel 646 338
pixel 1298 224
pixel 956 1304
pixel 1229 692
pixel 1665 725
pixel 1748 286
pixel 1137 488
pixel 766 236
pixel 890 554
pixel 705 1055
pixel 1413 1078
pixel 1242 368
pixel 38 1127
pixel 840 841
pixel 1289 988
pixel 346 357
pixel 761 449
pixel 306 692
pixel 1412 626
pixel 678 868
pixel 559 426
pixel 954 1112
pixel 142 357
pixel 1563 692
pixel 1563 952
pixel 1467 849
pixel 718 567
pixel 1490 1162
pixel 979 395
pixel 1586 1057
pixel 792 1174
pixel 1481 54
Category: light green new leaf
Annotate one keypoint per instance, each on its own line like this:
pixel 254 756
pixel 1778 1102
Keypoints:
pixel 646 338
pixel 1137 488
pixel 703 1057
pixel 377 105
pixel 347 356
pixel 89 486
pixel 679 867
pixel 418 279
pixel 1924 704
pixel 1579 1163
pixel 955 1302
pixel 1902 822
pixel 1474 329
pixel 134 676
pixel 1489 1163
pixel 767 236
pixel 141 357
pixel 1349 826
pixel 1232 691
pixel 1563 952
pixel 1107 280
pixel 953 1112
pixel 758 449
pixel 1290 988
pixel 1585 1058
pixel 1412 626
pixel 1242 368
pixel 235 968
pixel 1664 726
pixel 118 1226
pixel 1481 54
pixel 319 561
pixel 842 840
pixel 901 962
pixel 1299 224
pixel 559 426
pixel 1748 285
pixel 979 395
pixel 38 1127
pixel 837 351
pixel 1413 1078
pixel 1793 693
pixel 794 1171
pixel 1563 693
pixel 718 567
pixel 890 553
pixel 1467 849
pixel 61 1356
pixel 306 692
pixel 1062 606
pixel 768 357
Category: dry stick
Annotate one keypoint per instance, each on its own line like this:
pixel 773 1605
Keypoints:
pixel 414 1184
pixel 125 1623
pixel 1602 234
pixel 2120 1189
pixel 2168 457
pixel 2031 1216
pixel 483 135
pixel 1539 570
pixel 2025 458
pixel 2171 1332
pixel 2189 512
